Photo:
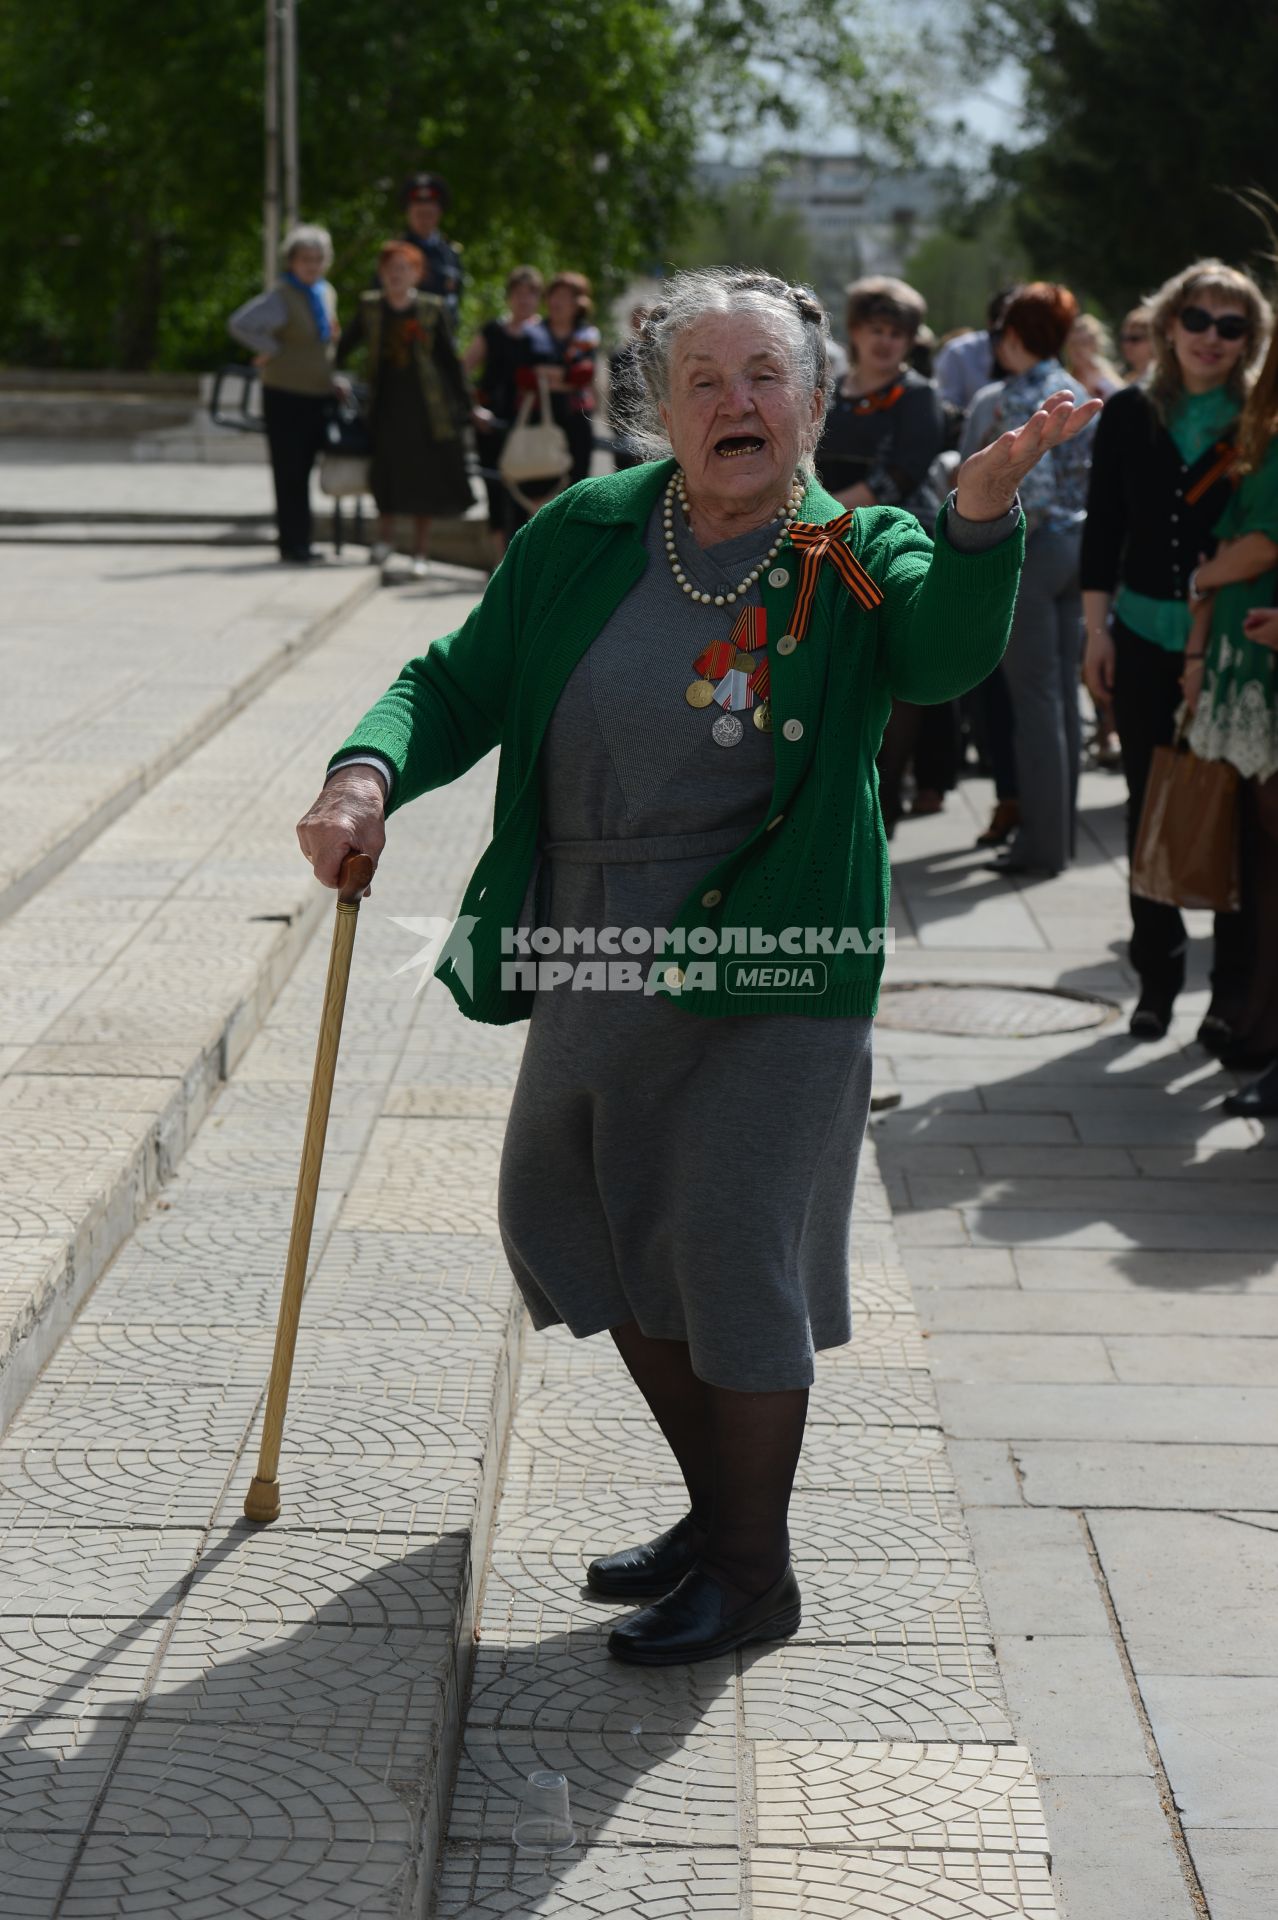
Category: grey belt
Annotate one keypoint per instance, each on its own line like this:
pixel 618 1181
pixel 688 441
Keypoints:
pixel 658 846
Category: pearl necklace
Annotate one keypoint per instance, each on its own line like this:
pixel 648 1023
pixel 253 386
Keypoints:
pixel 676 490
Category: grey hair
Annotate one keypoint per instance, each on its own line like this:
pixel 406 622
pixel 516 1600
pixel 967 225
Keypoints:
pixel 689 297
pixel 307 236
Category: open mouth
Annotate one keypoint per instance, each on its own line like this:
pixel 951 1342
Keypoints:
pixel 734 445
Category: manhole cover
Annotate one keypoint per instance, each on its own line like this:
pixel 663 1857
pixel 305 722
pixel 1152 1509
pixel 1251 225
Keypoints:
pixel 1013 1012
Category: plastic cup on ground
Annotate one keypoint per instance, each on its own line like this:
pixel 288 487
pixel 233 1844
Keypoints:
pixel 544 1822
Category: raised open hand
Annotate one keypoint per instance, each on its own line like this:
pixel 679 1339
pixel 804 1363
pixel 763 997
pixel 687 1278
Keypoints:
pixel 987 481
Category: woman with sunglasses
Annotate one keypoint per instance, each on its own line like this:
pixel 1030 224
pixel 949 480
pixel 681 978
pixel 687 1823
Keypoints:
pixel 1162 462
pixel 1137 344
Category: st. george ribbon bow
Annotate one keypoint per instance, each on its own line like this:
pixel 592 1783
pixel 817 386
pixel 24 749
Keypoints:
pixel 817 543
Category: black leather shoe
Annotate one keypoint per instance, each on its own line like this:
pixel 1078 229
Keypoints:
pixel 1152 1017
pixel 648 1572
pixel 690 1624
pixel 1259 1101
pixel 1214 1033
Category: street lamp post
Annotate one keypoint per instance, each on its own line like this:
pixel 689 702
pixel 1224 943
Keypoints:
pixel 280 111
pixel 288 36
pixel 271 182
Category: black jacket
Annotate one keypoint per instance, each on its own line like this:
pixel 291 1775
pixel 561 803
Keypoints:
pixel 1149 516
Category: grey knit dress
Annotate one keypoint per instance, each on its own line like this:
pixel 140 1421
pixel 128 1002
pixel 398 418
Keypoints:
pixel 694 1175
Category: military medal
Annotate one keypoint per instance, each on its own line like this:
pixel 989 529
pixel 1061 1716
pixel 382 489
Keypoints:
pixel 733 673
pixel 763 716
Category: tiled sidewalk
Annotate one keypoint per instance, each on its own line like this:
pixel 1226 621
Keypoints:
pixel 867 1766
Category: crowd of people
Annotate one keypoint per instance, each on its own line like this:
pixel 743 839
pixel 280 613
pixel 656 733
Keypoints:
pixel 421 399
pixel 1150 573
pixel 1150 576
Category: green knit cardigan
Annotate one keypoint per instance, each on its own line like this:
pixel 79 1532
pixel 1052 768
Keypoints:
pixel 818 863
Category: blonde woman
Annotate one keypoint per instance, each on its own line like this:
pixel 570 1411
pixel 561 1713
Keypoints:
pixel 1162 465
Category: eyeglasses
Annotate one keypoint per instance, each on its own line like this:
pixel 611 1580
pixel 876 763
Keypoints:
pixel 1134 338
pixel 1229 326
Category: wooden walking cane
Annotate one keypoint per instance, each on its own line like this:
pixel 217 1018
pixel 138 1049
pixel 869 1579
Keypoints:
pixel 262 1502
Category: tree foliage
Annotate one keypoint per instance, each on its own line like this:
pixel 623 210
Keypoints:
pixel 1150 117
pixel 130 136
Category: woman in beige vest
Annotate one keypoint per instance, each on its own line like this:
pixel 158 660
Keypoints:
pixel 292 332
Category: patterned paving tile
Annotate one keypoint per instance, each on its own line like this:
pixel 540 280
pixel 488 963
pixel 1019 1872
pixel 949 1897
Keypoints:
pixel 294 1577
pixel 112 1486
pixel 116 1354
pixel 76 1668
pixel 915 1692
pixel 334 1495
pixel 33 1867
pixel 911 1468
pixel 56 1571
pixel 302 1676
pixel 206 1416
pixel 864 1571
pixel 589 1417
pixel 219 1782
pixel 572 1683
pixel 624 1790
pixel 602 1883
pixel 230 1878
pixel 350 1423
pixel 52 1771
pixel 428 1176
pixel 454 1379
pixel 981 1799
pixel 900 1886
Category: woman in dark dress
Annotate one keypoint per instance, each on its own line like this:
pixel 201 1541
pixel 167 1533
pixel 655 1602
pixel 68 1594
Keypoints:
pixel 418 403
pixel 883 429
pixel 492 360
pixel 564 346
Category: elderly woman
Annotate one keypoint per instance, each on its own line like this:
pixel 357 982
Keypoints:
pixel 292 333
pixel 688 667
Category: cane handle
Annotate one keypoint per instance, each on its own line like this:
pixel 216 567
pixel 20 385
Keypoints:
pixel 357 871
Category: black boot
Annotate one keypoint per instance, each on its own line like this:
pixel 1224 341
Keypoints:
pixel 1152 1016
pixel 647 1572
pixel 690 1623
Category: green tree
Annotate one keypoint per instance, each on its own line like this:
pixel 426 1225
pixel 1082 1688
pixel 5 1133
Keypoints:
pixel 130 139
pixel 1149 118
pixel 958 268
pixel 739 226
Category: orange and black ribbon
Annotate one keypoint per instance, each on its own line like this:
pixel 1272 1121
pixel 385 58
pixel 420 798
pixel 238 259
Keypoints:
pixel 815 544
pixel 1225 462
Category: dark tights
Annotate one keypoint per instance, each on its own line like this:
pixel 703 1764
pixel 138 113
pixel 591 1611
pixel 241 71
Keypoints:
pixel 737 1452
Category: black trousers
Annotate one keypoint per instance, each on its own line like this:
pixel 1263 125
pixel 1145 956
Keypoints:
pixel 294 434
pixel 1146 697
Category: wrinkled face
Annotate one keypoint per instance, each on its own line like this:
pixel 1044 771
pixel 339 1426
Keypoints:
pixel 736 416
pixel 878 347
pixel 524 299
pixel 398 278
pixel 307 263
pixel 1205 359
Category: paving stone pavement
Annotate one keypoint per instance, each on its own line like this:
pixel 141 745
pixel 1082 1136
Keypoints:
pixel 154 652
pixel 135 976
pixel 1094 1254
pixel 199 1718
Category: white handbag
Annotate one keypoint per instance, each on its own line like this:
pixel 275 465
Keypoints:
pixel 540 454
pixel 342 475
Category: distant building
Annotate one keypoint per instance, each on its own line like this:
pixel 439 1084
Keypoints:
pixel 858 218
